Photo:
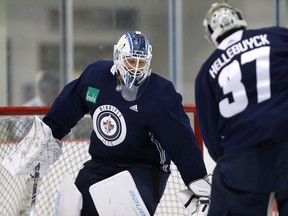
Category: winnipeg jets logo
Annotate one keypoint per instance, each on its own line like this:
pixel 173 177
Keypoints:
pixel 109 125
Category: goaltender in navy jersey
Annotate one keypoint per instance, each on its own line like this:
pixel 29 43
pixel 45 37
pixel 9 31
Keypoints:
pixel 245 82
pixel 241 96
pixel 139 123
pixel 152 129
pixel 141 135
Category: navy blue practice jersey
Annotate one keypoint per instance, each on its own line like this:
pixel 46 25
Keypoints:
pixel 242 90
pixel 152 130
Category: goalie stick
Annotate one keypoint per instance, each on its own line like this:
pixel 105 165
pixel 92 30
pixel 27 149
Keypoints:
pixel 34 191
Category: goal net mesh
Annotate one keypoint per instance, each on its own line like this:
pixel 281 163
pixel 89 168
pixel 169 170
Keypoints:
pixel 16 192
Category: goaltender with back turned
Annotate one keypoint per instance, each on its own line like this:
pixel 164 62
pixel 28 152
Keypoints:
pixel 241 101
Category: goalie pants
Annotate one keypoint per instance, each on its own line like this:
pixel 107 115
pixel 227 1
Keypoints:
pixel 143 175
pixel 243 181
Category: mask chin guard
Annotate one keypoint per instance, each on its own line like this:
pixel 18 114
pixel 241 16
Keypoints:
pixel 130 93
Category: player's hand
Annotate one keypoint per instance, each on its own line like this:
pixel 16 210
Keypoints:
pixel 196 199
pixel 202 206
pixel 54 150
pixel 195 206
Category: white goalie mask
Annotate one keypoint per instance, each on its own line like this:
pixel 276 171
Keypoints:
pixel 132 58
pixel 220 19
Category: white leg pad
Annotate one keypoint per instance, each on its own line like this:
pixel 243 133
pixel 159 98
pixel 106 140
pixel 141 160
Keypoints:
pixel 118 196
pixel 69 198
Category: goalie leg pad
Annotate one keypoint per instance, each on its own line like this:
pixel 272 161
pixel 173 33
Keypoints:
pixel 69 199
pixel 119 196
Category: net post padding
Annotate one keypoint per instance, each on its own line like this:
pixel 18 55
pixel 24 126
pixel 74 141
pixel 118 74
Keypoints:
pixel 15 123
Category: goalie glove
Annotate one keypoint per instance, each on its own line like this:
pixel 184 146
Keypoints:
pixel 196 199
pixel 38 146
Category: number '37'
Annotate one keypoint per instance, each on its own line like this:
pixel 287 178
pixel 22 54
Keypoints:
pixel 231 76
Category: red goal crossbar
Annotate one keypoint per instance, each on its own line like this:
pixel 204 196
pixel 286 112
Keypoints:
pixel 23 110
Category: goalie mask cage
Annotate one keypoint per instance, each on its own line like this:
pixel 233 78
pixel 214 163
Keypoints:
pixel 16 192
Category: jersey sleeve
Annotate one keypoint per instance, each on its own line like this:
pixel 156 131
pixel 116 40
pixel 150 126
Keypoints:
pixel 68 108
pixel 206 111
pixel 171 126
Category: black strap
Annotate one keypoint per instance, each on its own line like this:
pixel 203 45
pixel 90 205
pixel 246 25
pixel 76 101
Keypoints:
pixel 189 201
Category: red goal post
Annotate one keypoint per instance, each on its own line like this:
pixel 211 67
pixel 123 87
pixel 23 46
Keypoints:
pixel 16 192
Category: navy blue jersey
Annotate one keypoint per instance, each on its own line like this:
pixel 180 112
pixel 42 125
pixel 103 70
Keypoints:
pixel 242 90
pixel 153 129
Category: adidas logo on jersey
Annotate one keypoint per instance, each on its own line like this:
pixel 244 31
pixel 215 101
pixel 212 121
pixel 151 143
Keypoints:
pixel 134 108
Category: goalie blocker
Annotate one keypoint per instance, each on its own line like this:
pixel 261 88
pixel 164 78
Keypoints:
pixel 196 199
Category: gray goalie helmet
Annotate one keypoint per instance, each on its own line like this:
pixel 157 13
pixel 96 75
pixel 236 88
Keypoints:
pixel 220 19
